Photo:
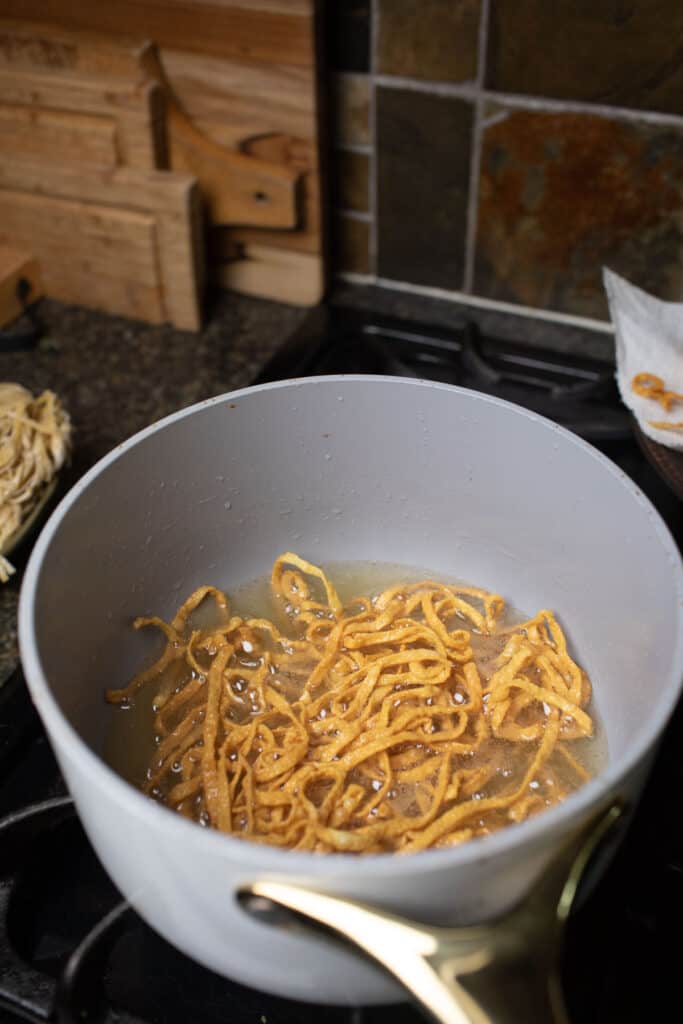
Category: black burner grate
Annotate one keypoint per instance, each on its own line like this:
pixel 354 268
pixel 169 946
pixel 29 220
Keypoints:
pixel 579 393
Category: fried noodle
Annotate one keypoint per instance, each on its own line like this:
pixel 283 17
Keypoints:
pixel 366 728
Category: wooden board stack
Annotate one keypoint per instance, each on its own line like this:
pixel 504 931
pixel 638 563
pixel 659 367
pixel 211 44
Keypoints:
pixel 227 96
pixel 79 185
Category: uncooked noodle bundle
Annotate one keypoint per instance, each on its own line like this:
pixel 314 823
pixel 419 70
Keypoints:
pixel 34 443
pixel 407 721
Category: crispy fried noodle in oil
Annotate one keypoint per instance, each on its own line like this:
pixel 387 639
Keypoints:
pixel 409 720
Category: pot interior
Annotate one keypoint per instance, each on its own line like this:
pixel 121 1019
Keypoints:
pixel 361 469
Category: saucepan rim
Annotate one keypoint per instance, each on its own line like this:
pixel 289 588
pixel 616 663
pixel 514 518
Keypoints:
pixel 263 858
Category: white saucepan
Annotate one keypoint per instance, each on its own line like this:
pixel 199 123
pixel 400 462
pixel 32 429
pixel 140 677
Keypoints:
pixel 342 469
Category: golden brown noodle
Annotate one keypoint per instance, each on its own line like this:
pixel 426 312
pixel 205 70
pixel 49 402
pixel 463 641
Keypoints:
pixel 648 385
pixel 367 728
pixel 665 425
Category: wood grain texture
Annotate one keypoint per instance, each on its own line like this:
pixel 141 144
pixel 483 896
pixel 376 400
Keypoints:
pixel 302 7
pixel 262 33
pixel 237 189
pixel 83 94
pixel 161 191
pixel 17 265
pixel 284 276
pixel 271 112
pixel 254 186
pixel 299 155
pixel 136 109
pixel 34 46
pixel 182 259
pixel 40 134
pixel 172 200
pixel 232 99
pixel 90 254
pixel 244 71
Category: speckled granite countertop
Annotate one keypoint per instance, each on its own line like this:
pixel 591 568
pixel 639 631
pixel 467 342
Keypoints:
pixel 117 376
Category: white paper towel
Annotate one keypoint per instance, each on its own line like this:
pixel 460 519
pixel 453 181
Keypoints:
pixel 649 339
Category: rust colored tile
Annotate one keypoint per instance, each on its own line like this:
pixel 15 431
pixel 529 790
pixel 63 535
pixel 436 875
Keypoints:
pixel 432 39
pixel 351 109
pixel 351 178
pixel 351 245
pixel 562 194
pixel 613 52
pixel 423 162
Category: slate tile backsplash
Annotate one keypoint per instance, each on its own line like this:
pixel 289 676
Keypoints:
pixel 422 205
pixel 508 149
pixel 624 53
pixel 428 39
pixel 561 194
pixel 351 243
pixel 351 181
pixel 351 109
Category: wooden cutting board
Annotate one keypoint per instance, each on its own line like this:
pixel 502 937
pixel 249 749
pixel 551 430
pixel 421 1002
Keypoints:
pixel 247 75
pixel 122 240
pixel 131 112
pixel 39 134
pixel 46 70
pixel 92 255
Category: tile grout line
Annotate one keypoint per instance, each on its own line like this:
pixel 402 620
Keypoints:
pixel 363 215
pixel 353 277
pixel 476 93
pixel 463 89
pixel 351 75
pixel 362 148
pixel 372 196
pixel 473 91
pixel 470 240
pixel 480 302
pixel 543 103
pixel 477 301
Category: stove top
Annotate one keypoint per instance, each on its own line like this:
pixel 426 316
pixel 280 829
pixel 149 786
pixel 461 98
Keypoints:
pixel 72 950
pixel 579 393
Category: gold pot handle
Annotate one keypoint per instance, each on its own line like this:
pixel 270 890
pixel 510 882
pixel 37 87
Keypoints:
pixel 503 972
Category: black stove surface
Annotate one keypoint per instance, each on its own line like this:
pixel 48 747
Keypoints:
pixel 72 950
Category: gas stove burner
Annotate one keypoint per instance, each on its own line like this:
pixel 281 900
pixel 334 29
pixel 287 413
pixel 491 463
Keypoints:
pixel 71 949
pixel 576 392
pixel 548 374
